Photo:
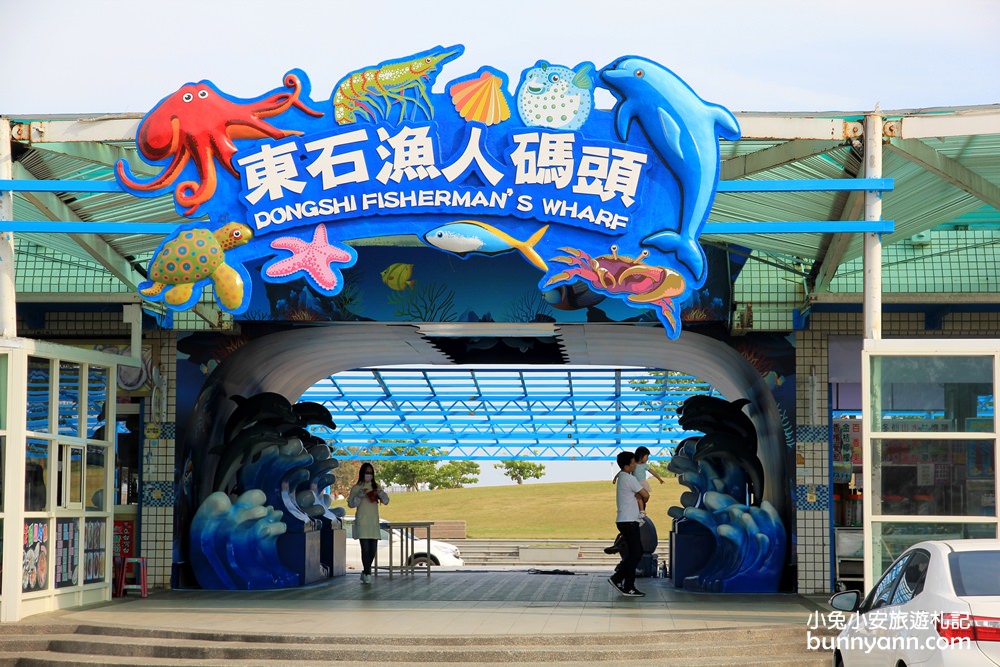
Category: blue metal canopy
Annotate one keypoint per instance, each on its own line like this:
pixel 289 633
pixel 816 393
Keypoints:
pixel 501 413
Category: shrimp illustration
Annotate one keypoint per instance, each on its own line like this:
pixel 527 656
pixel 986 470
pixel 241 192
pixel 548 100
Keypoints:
pixel 399 81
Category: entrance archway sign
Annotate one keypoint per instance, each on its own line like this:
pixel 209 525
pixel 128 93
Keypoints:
pixel 614 199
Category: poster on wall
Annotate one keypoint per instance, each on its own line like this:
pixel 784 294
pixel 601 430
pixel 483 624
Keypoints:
pixel 67 561
pixel 35 559
pixel 124 545
pixel 609 202
pixel 94 550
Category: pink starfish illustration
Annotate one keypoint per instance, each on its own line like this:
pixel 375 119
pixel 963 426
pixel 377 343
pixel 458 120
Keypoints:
pixel 314 258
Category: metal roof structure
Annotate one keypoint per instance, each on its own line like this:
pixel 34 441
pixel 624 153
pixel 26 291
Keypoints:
pixel 945 164
pixel 945 206
pixel 495 413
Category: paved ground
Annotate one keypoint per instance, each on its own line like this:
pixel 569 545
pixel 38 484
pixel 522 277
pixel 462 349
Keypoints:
pixel 457 602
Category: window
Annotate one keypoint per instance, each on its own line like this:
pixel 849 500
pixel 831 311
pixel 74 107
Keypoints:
pixel 39 394
pixel 912 581
pixel 94 479
pixel 882 593
pixel 975 572
pixel 36 468
pixel 70 487
pixel 69 399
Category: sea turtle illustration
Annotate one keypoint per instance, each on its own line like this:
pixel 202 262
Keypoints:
pixel 194 255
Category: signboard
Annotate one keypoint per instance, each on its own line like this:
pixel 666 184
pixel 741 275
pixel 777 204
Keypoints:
pixel 67 561
pixel 95 551
pixel 614 200
pixel 35 556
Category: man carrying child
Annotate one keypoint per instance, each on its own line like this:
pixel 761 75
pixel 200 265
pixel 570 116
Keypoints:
pixel 629 493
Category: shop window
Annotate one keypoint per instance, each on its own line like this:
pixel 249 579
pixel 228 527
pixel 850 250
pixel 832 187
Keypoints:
pixel 39 394
pixel 36 475
pixel 97 401
pixel 70 477
pixel 892 538
pixel 935 477
pixel 68 405
pixel 94 480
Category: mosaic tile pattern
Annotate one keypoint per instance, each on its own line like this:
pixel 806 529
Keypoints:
pixel 812 433
pixel 158 494
pixel 812 497
pixel 166 430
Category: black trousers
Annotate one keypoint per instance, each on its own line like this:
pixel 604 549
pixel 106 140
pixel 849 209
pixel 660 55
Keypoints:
pixel 631 553
pixel 368 549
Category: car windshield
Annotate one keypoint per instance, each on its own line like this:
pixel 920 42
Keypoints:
pixel 975 572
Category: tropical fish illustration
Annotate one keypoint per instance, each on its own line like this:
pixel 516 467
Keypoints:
pixel 466 236
pixel 398 276
pixel 684 131
pixel 556 96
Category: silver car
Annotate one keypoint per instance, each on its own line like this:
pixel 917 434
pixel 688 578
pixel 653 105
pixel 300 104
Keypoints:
pixel 937 605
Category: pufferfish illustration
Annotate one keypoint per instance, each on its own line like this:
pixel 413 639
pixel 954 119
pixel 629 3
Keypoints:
pixel 556 96
pixel 398 276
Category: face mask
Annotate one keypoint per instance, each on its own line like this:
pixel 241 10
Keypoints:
pixel 369 478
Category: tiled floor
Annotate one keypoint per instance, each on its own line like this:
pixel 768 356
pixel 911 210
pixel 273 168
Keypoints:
pixel 450 603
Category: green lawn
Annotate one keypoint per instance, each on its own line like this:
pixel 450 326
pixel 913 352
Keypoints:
pixel 571 510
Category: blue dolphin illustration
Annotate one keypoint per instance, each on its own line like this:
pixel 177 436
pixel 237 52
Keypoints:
pixel 684 131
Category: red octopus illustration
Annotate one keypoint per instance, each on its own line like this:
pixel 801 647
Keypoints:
pixel 199 123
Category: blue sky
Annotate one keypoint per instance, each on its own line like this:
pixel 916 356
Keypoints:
pixel 111 56
pixel 108 56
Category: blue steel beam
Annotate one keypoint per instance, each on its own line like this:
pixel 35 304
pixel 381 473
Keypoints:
pixel 791 185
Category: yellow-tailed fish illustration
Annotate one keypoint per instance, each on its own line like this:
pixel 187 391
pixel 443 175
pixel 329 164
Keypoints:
pixel 464 236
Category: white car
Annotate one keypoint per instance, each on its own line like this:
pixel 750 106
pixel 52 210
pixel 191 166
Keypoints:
pixel 937 605
pixel 436 553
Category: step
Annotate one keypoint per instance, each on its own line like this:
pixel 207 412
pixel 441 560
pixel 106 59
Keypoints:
pixel 97 645
pixel 54 660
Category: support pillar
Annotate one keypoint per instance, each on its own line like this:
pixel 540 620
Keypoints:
pixel 873 242
pixel 8 310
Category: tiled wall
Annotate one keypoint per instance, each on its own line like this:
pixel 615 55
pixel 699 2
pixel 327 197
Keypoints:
pixel 813 519
pixel 158 467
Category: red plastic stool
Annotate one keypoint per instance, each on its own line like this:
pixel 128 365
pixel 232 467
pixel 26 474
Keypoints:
pixel 121 575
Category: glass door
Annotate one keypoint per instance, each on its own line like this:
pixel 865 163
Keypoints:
pixel 930 445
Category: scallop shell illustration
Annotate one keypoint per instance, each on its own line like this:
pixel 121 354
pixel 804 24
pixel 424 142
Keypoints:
pixel 481 99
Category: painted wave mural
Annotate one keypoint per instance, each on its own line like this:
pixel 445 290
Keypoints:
pixel 269 497
pixel 728 539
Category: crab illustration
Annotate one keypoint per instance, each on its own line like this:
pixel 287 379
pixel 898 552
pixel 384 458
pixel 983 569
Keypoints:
pixel 193 256
pixel 622 275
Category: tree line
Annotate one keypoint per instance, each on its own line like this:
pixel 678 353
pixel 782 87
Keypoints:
pixel 436 474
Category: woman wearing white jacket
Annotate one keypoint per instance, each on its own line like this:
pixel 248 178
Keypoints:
pixel 365 496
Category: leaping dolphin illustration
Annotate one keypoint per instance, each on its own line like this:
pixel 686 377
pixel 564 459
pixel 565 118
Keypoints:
pixel 684 131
